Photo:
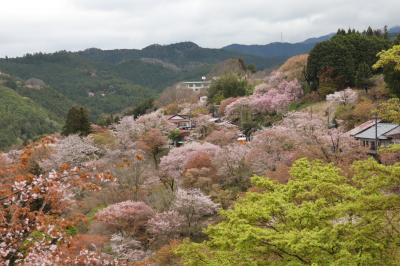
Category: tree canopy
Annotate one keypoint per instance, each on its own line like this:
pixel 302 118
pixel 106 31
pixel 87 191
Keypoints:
pixel 77 122
pixel 339 58
pixel 389 61
pixel 227 86
pixel 319 217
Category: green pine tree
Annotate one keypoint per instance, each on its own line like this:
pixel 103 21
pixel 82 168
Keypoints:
pixel 362 75
pixel 77 122
pixel 370 32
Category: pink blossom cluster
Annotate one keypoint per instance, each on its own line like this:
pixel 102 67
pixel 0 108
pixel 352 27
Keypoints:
pixel 231 159
pixel 128 130
pixel 273 96
pixel 45 254
pixel 167 223
pixel 126 215
pixel 74 150
pixel 172 165
pixel 345 96
pixel 193 204
pixel 127 249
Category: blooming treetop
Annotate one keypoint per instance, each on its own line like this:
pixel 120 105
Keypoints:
pixel 273 96
pixel 172 165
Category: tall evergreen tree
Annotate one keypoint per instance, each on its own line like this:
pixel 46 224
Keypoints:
pixel 397 40
pixel 77 122
pixel 370 32
pixel 385 32
pixel 363 74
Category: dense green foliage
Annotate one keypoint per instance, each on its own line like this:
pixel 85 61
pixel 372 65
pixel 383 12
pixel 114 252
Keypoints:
pixel 77 122
pixel 227 86
pixel 390 110
pixel 339 58
pixel 363 74
pixel 142 108
pixel 390 62
pixel 320 217
pixel 390 148
pixel 21 119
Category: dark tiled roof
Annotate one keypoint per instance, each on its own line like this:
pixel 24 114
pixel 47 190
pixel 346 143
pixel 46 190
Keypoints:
pixel 383 129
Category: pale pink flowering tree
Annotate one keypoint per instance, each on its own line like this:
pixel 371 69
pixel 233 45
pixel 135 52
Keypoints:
pixel 274 96
pixel 155 120
pixel 125 131
pixel 129 130
pixel 166 224
pixel 204 126
pixel 232 165
pixel 234 109
pixel 300 134
pixel 193 205
pixel 30 204
pixel 345 96
pixel 46 254
pixel 126 217
pixel 127 249
pixel 172 165
pixel 74 150
pixel 270 147
pixel 223 136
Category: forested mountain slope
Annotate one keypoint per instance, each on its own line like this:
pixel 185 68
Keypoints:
pixel 107 81
pixel 22 119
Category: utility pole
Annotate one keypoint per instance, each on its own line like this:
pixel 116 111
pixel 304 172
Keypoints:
pixel 376 133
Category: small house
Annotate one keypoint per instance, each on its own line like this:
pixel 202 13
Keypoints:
pixel 382 133
pixel 181 121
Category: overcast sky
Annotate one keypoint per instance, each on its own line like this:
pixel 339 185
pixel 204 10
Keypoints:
pixel 51 25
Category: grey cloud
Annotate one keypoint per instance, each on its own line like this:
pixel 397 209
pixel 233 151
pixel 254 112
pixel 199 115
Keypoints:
pixel 48 25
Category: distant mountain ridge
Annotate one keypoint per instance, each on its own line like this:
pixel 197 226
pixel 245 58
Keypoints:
pixel 394 30
pixel 183 54
pixel 278 49
pixel 285 49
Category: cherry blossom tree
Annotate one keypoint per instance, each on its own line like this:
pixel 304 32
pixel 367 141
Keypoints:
pixel 132 173
pixel 74 150
pixel 31 206
pixel 346 96
pixel 126 217
pixel 129 130
pixel 153 143
pixel 270 147
pixel 125 131
pixel 127 249
pixel 223 136
pixel 154 120
pixel 302 134
pixel 203 126
pixel 274 96
pixel 166 224
pixel 172 166
pixel 193 205
pixel 232 165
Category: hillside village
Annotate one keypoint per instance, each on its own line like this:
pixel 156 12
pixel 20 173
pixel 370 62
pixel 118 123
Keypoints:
pixel 296 165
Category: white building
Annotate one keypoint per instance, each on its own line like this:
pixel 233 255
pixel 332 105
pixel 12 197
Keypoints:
pixel 196 86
